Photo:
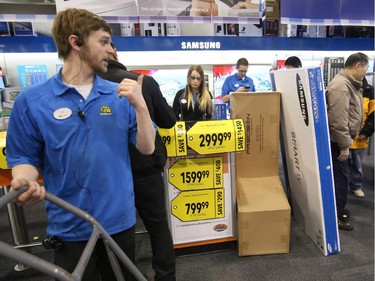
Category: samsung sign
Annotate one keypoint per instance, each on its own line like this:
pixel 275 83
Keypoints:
pixel 200 45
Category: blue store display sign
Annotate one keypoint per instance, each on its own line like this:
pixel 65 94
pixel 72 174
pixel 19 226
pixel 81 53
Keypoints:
pixel 32 74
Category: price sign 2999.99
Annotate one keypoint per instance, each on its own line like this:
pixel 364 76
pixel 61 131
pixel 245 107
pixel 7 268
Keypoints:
pixel 216 136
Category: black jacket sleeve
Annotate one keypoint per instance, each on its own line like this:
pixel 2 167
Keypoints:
pixel 368 128
pixel 163 114
pixel 177 104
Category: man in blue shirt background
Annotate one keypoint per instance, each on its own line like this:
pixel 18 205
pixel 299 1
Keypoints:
pixel 238 82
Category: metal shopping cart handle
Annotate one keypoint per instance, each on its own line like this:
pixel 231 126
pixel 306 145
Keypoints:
pixel 57 272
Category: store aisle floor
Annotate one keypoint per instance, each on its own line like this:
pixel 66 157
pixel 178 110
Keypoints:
pixel 304 262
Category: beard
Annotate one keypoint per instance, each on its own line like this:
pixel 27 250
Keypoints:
pixel 95 63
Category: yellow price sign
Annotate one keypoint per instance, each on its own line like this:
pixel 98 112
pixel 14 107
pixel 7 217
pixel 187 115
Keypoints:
pixel 175 139
pixel 208 137
pixel 240 134
pixel 3 161
pixel 199 205
pixel 169 140
pixel 197 173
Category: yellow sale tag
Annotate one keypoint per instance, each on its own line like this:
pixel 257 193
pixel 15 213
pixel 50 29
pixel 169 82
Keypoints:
pixel 196 173
pixel 169 139
pixel 198 205
pixel 175 139
pixel 240 135
pixel 181 145
pixel 219 196
pixel 218 181
pixel 3 161
pixel 215 136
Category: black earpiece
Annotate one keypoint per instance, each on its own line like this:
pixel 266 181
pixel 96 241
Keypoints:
pixel 79 42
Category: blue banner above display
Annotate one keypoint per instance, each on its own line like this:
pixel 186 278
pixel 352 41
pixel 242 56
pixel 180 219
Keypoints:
pixel 31 44
pixel 323 12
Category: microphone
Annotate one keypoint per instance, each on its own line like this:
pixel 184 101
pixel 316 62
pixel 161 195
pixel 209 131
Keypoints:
pixel 82 114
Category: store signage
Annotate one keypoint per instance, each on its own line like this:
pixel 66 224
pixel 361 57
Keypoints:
pixel 197 173
pixel 31 44
pixel 199 205
pixel 204 137
pixel 200 45
pixel 217 136
pixel 175 139
pixel 199 197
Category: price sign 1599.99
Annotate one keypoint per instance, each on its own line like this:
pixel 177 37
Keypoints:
pixel 199 205
pixel 197 173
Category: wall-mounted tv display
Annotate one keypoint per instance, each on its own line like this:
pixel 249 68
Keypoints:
pixel 170 80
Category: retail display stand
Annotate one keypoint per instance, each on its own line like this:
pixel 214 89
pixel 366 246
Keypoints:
pixel 198 177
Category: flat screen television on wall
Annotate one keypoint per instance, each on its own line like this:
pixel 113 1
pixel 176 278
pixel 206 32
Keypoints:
pixel 169 80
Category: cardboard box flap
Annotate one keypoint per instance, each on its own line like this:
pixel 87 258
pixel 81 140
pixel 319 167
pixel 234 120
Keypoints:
pixel 261 115
pixel 260 194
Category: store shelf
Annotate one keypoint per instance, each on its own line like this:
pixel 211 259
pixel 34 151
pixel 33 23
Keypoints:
pixel 30 44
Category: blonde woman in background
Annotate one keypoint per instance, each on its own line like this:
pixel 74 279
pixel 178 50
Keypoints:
pixel 193 103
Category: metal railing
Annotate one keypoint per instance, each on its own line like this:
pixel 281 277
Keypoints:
pixel 113 250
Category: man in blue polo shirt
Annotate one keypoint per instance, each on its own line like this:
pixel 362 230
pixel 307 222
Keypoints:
pixel 76 128
pixel 237 82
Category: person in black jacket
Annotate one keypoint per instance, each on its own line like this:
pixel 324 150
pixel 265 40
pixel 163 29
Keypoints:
pixel 361 141
pixel 193 103
pixel 147 173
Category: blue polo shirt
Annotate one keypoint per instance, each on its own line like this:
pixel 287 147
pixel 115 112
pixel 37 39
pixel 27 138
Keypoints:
pixel 233 82
pixel 83 161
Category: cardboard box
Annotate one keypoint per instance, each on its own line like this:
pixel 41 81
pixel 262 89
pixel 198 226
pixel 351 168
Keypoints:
pixel 307 150
pixel 263 212
pixel 263 217
pixel 260 113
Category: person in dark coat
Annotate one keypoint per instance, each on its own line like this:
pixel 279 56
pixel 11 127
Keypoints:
pixel 147 173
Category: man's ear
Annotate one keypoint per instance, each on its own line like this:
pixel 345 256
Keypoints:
pixel 75 42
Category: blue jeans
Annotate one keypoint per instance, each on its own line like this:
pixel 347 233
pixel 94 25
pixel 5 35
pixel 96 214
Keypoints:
pixel 355 166
pixel 341 178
